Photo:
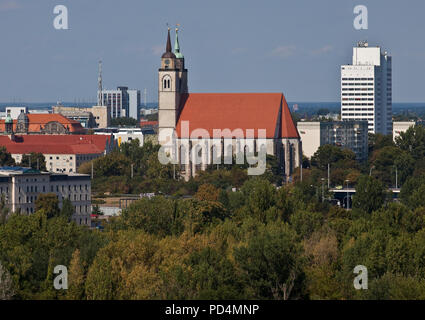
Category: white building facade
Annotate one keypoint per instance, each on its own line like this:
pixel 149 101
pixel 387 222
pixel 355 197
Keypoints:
pixel 352 135
pixel 366 88
pixel 122 102
pixel 403 126
pixel 21 187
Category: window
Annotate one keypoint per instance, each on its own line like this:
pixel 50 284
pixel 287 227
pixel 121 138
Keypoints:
pixel 166 82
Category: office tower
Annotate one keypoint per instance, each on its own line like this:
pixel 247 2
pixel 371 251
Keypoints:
pixel 122 102
pixel 366 88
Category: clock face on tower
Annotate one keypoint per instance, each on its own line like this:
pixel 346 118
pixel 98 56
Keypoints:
pixel 167 62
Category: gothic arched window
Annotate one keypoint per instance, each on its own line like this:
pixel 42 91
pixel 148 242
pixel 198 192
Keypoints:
pixel 166 82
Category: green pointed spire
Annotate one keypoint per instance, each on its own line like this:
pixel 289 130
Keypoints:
pixel 177 46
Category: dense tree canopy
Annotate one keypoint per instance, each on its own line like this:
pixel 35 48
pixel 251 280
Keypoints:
pixel 231 236
pixel 34 160
pixel 123 122
pixel 6 158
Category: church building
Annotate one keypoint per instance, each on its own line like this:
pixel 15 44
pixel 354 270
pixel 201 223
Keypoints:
pixel 196 130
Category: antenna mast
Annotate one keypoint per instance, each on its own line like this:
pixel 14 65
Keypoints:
pixel 100 86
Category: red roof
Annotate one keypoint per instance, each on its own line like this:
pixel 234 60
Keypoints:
pixel 145 123
pixel 232 111
pixel 56 144
pixel 39 120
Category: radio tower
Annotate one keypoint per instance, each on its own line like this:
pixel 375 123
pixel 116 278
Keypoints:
pixel 100 87
pixel 145 96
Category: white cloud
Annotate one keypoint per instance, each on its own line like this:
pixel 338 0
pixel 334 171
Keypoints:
pixel 9 5
pixel 157 50
pixel 322 50
pixel 284 51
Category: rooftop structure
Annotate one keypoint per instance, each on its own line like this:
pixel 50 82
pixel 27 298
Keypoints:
pixel 42 124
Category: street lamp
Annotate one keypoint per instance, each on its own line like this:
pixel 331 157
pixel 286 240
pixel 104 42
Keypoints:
pixel 348 199
pixel 396 177
pixel 370 172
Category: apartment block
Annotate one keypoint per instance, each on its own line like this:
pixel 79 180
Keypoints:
pixel 366 88
pixel 345 134
pixel 21 187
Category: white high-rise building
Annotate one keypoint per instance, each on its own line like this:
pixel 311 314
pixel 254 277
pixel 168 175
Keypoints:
pixel 122 102
pixel 366 88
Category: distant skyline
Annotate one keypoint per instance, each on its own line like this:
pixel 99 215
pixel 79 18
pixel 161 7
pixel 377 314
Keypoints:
pixel 230 46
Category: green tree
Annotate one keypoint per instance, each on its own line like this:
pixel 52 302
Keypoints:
pixel 395 287
pixel 206 275
pixel 336 156
pixel 5 157
pixel 123 122
pixel 48 202
pixel 68 209
pixel 413 141
pixel 378 141
pixel 411 193
pixel 34 160
pixel 6 284
pixel 272 264
pixel 370 194
pixel 76 278
pixel 260 198
pixel 4 210
pixel 207 192
pixel 157 216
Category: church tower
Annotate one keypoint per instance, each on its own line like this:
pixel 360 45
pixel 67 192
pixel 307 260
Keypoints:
pixel 172 84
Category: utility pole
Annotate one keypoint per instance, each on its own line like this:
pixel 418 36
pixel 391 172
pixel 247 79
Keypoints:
pixel 348 199
pixel 329 175
pixel 92 170
pixel 132 175
pixel 323 190
pixel 396 178
pixel 38 164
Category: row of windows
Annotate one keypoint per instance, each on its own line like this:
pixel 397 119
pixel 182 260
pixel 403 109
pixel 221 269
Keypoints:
pixel 61 170
pixel 357 94
pixel 357 109
pixel 357 84
pixel 357 115
pixel 57 158
pixel 357 89
pixel 52 188
pixel 32 199
pixel 357 104
pixel 357 79
pixel 357 99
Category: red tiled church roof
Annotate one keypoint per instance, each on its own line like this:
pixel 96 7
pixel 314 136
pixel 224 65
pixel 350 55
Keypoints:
pixel 232 111
pixel 56 144
pixel 35 121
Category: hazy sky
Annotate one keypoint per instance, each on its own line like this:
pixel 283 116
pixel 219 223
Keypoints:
pixel 294 47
